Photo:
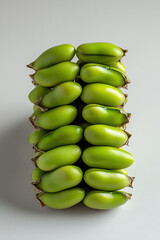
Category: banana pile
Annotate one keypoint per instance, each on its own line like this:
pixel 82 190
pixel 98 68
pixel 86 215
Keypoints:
pixel 80 127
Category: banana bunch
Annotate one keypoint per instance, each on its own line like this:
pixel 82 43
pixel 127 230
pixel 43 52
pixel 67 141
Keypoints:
pixel 80 126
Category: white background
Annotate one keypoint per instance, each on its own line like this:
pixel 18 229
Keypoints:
pixel 27 28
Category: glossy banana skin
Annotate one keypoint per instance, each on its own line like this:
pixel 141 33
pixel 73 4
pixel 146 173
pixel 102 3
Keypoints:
pixel 65 135
pixel 106 135
pixel 60 179
pixel 107 157
pixel 108 180
pixel 58 157
pixel 61 72
pixel 118 66
pixel 102 53
pixel 62 94
pixel 105 200
pixel 63 199
pixel 96 73
pixel 103 94
pixel 54 55
pixel 98 114
pixel 55 117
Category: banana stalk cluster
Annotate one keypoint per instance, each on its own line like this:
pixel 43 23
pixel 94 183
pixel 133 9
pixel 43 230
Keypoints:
pixel 80 127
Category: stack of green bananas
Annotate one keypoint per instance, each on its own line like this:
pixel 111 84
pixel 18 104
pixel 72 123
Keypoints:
pixel 78 146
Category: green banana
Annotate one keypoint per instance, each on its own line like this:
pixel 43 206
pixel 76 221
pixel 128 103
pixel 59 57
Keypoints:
pixel 36 93
pixel 106 135
pixel 103 53
pixel 52 56
pixel 64 93
pixel 97 73
pixel 108 180
pixel 36 174
pixel 107 157
pixel 55 118
pixel 98 114
pixel 104 94
pixel 63 199
pixel 65 135
pixel 61 72
pixel 57 157
pixel 105 200
pixel 60 179
pixel 36 135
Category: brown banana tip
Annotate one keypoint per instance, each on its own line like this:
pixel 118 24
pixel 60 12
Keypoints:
pixel 34 162
pixel 125 86
pixel 124 51
pixel 37 149
pixel 30 65
pixel 35 83
pixel 40 202
pixel 32 119
pixel 127 195
pixel 32 76
pixel 131 179
pixel 126 79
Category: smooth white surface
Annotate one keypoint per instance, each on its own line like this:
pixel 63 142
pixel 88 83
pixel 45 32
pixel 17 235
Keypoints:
pixel 27 28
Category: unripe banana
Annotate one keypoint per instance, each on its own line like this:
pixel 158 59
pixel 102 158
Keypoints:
pixel 61 72
pixel 36 135
pixel 52 56
pixel 107 157
pixel 55 118
pixel 36 174
pixel 98 114
pixel 63 199
pixel 36 93
pixel 96 73
pixel 62 94
pixel 105 200
pixel 106 135
pixel 103 94
pixel 60 179
pixel 107 180
pixel 65 135
pixel 58 157
pixel 103 53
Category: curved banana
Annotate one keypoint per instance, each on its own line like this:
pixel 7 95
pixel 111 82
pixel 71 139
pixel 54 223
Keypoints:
pixel 104 94
pixel 55 117
pixel 108 180
pixel 98 114
pixel 106 135
pixel 100 52
pixel 107 157
pixel 105 200
pixel 96 73
pixel 52 56
pixel 63 199
pixel 60 179
pixel 66 135
pixel 61 72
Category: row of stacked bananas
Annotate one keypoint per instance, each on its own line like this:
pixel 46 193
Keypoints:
pixel 80 127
